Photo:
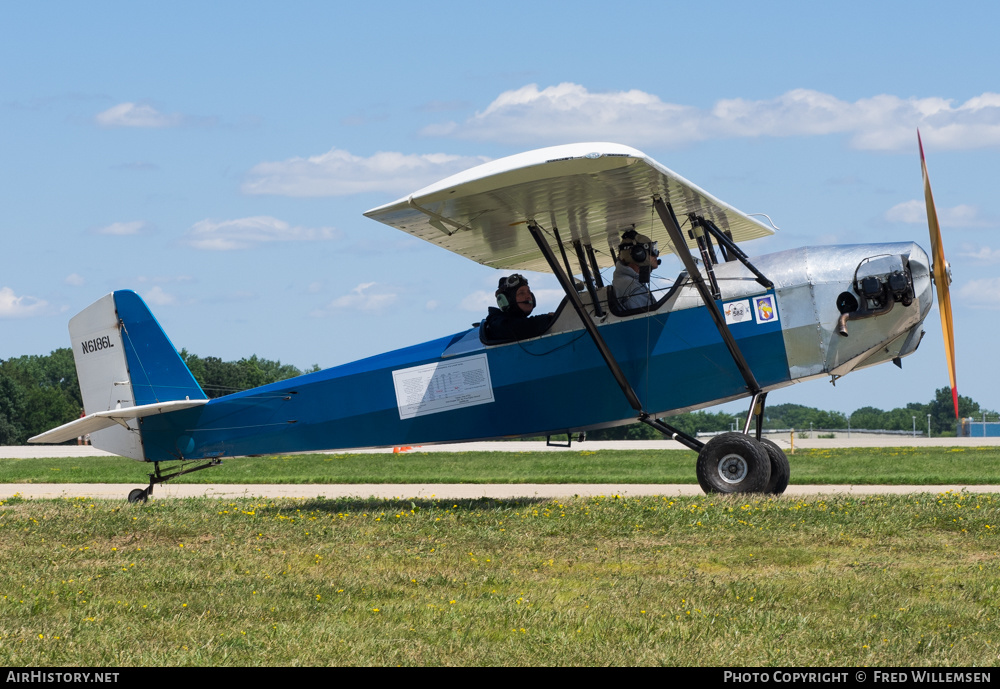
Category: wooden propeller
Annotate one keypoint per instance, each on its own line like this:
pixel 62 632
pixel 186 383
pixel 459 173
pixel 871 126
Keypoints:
pixel 942 276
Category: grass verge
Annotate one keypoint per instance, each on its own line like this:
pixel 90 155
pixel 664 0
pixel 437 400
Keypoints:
pixel 861 466
pixel 885 581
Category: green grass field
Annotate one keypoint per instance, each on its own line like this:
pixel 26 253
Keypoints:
pixel 713 581
pixel 871 466
pixel 751 581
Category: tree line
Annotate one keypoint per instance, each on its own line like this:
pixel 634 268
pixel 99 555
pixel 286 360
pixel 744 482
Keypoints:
pixel 801 418
pixel 40 392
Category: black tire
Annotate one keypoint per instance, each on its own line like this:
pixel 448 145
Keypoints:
pixel 138 495
pixel 780 471
pixel 733 463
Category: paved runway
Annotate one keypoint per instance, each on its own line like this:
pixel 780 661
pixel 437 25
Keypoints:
pixel 443 491
pixel 455 491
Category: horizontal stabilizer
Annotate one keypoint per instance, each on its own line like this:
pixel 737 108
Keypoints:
pixel 105 419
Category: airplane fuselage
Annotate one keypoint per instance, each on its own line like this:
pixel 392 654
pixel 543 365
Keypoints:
pixel 457 388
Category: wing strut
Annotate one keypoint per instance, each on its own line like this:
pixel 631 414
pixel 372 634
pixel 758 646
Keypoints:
pixel 708 258
pixel 594 267
pixel 574 298
pixel 673 228
pixel 735 252
pixel 562 250
pixel 588 278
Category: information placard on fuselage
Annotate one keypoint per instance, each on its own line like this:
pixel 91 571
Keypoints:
pixel 443 386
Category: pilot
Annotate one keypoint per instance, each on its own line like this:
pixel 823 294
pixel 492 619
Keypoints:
pixel 512 320
pixel 637 256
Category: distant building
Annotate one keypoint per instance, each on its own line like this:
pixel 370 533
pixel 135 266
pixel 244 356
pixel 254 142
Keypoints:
pixel 969 428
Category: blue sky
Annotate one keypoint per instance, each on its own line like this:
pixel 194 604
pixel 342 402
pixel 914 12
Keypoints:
pixel 217 157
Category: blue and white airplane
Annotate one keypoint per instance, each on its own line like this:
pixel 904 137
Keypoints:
pixel 730 327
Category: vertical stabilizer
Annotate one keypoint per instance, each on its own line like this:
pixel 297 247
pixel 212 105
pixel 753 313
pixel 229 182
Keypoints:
pixel 124 359
pixel 157 372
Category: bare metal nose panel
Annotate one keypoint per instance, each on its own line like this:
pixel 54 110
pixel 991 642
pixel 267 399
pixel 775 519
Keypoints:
pixel 808 282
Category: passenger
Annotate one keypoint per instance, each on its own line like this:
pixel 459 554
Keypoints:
pixel 512 320
pixel 637 256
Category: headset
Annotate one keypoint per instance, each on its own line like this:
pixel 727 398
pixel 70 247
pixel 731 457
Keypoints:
pixel 632 251
pixel 510 285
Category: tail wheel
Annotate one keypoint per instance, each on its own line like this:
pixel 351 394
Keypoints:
pixel 138 495
pixel 780 471
pixel 733 463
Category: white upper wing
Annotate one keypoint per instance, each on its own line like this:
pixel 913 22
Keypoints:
pixel 589 191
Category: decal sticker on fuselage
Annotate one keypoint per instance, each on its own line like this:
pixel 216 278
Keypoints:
pixel 765 309
pixel 738 311
pixel 444 386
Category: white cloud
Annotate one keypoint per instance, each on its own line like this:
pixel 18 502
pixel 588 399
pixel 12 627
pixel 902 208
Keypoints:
pixel 136 115
pixel 74 279
pixel 13 306
pixel 908 211
pixel 157 296
pixel 962 215
pixel 339 173
pixel 981 293
pixel 478 302
pixel 368 296
pixel 547 299
pixel 122 229
pixel 569 112
pixel 983 253
pixel 965 215
pixel 243 233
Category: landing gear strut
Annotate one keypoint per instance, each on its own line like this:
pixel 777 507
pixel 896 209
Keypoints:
pixel 138 495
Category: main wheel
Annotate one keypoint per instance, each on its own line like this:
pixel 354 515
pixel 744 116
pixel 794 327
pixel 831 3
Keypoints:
pixel 780 471
pixel 138 495
pixel 733 463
